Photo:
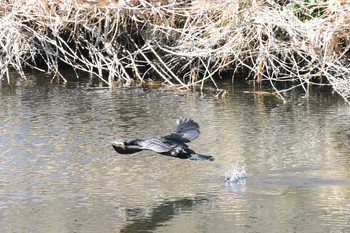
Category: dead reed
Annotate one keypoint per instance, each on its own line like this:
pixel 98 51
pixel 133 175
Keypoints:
pixel 181 42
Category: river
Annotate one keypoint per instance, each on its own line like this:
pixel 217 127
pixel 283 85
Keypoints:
pixel 279 167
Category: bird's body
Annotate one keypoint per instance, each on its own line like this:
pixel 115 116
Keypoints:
pixel 173 144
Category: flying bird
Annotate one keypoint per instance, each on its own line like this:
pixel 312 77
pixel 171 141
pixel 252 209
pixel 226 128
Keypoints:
pixel 173 144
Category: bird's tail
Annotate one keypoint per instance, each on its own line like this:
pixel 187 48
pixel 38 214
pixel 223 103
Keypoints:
pixel 201 157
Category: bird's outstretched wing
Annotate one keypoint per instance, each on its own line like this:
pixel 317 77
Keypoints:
pixel 187 130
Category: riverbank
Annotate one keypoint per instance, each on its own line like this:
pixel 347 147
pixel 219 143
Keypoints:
pixel 187 43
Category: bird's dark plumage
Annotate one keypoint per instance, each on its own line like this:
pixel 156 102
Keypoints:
pixel 173 144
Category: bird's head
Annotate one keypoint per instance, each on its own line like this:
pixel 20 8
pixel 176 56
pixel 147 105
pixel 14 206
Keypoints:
pixel 119 143
pixel 127 146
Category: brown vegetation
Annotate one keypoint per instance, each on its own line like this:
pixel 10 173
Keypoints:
pixel 181 42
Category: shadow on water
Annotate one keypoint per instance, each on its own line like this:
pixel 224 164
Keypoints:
pixel 160 214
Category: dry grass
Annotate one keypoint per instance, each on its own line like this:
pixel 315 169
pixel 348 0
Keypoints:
pixel 186 43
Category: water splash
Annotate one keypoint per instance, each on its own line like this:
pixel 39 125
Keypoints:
pixel 235 176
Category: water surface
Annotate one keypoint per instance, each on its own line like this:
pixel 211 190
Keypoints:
pixel 58 172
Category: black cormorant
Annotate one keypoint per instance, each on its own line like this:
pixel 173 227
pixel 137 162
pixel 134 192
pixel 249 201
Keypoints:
pixel 173 144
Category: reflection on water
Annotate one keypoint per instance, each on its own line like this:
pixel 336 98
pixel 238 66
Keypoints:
pixel 161 214
pixel 58 172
